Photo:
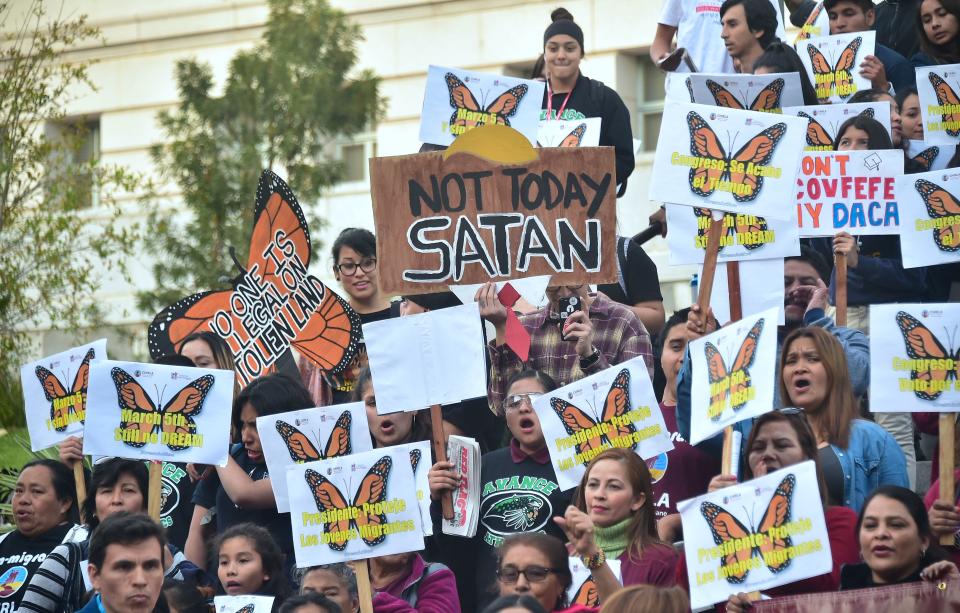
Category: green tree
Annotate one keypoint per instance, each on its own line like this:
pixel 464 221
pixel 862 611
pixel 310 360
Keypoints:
pixel 59 216
pixel 284 101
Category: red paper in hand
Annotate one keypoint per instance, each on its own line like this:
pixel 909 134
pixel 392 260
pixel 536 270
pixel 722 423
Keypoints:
pixel 517 337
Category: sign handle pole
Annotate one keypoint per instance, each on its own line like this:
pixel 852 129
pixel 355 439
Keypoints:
pixel 80 483
pixel 153 491
pixel 364 592
pixel 840 266
pixel 947 443
pixel 440 452
pixel 736 314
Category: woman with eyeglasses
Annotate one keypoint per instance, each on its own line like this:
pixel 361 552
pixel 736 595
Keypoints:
pixel 518 486
pixel 355 267
pixel 535 564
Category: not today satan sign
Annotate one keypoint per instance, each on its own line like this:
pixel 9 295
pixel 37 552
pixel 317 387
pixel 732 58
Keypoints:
pixel 463 218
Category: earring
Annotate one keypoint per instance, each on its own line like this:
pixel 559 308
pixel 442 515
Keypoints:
pixel 923 552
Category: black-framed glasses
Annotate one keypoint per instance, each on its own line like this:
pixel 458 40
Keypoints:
pixel 513 402
pixel 533 573
pixel 350 268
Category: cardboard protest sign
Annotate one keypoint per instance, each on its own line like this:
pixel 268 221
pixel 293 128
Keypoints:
pixel 747 92
pixel 928 156
pixel 435 357
pixel 459 216
pixel 915 357
pixel 816 25
pixel 757 535
pixel 833 64
pixel 308 435
pixel 55 393
pixel 156 412
pixel 824 120
pixel 766 289
pixel 573 133
pixel 612 408
pixel 583 590
pixel 419 454
pixel 930 211
pixel 247 603
pixel 745 237
pixel 734 370
pixel 275 304
pixel 354 507
pixel 735 161
pixel 456 101
pixel 851 191
pixel 937 87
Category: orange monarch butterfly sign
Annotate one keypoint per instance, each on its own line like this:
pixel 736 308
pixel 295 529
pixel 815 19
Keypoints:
pixel 824 120
pixel 308 435
pixel 55 393
pixel 733 374
pixel 930 218
pixel 915 356
pixel 756 535
pixel 583 590
pixel 939 90
pixel 156 412
pixel 353 507
pixel 741 162
pixel 833 64
pixel 768 93
pixel 744 237
pixel 612 408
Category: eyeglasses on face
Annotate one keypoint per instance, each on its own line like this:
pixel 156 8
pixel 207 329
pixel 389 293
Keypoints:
pixel 790 411
pixel 513 402
pixel 533 573
pixel 350 268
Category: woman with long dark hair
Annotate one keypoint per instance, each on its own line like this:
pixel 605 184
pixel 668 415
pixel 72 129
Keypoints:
pixel 938 25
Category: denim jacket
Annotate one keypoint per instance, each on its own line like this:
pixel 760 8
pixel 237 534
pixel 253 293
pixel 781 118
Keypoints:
pixel 873 458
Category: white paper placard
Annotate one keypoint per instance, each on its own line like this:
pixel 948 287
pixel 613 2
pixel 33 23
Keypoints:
pixel 612 408
pixel 354 507
pixel 419 454
pixel 930 218
pixel 583 590
pixel 678 88
pixel 243 604
pixel 55 393
pixel 735 161
pixel 744 237
pixel 157 412
pixel 824 120
pixel 531 289
pixel 747 92
pixel 849 191
pixel 938 88
pixel 572 133
pixel 915 357
pixel 930 156
pixel 733 373
pixel 458 100
pixel 766 289
pixel 833 64
pixel 309 435
pixel 757 535
pixel 435 357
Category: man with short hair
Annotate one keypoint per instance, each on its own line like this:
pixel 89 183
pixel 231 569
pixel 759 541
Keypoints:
pixel 126 564
pixel 748 27
pixel 895 23
pixel 886 69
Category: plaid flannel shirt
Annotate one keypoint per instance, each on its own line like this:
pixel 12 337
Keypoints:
pixel 617 333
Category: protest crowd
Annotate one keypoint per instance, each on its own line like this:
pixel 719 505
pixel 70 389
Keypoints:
pixel 773 472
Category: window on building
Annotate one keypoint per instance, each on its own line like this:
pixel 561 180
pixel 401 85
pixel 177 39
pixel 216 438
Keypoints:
pixel 76 149
pixel 650 97
pixel 354 156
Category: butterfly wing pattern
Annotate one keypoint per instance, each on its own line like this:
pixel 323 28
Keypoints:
pixel 941 204
pixel 837 77
pixel 946 96
pixel 732 383
pixel 616 404
pixel 63 404
pixel 299 446
pixel 921 344
pixel 467 112
pixel 575 137
pixel 817 136
pixel 587 594
pixel 372 490
pixel 924 161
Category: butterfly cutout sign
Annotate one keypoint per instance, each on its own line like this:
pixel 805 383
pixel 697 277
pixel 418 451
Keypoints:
pixel 755 535
pixel 736 161
pixel 275 304
pixel 928 156
pixel 576 133
pixel 456 101
pixel 583 589
pixel 824 120
pixel 612 408
pixel 939 91
pixel 915 356
pixel 745 237
pixel 55 393
pixel 308 435
pixel 833 64
pixel 246 603
pixel 156 412
pixel 733 371
pixel 768 93
pixel 353 507
pixel 930 224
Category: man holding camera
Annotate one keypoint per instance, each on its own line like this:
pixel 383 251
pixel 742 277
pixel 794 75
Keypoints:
pixel 576 334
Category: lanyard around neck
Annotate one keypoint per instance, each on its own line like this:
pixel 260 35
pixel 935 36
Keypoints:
pixel 550 102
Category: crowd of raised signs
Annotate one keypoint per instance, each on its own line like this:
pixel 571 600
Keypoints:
pixel 834 501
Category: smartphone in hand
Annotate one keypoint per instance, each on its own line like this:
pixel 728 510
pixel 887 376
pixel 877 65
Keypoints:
pixel 568 305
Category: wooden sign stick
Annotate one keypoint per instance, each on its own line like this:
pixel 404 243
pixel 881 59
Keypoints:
pixel 440 451
pixel 364 592
pixel 840 266
pixel 80 483
pixel 947 444
pixel 153 491
pixel 736 314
